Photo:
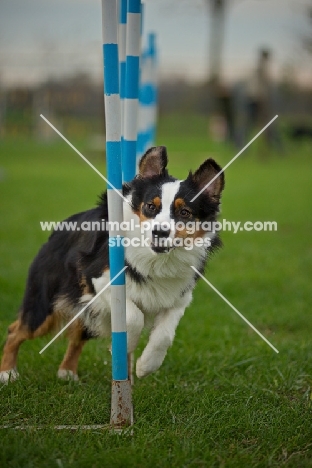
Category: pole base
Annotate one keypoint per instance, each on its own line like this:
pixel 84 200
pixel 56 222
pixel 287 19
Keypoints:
pixel 121 405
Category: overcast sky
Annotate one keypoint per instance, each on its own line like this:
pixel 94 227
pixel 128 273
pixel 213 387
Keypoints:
pixel 43 38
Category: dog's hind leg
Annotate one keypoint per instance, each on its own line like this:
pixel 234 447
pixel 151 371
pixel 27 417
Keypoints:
pixel 68 367
pixel 17 333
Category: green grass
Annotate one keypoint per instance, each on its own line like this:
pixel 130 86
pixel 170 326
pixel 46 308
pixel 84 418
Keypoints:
pixel 222 398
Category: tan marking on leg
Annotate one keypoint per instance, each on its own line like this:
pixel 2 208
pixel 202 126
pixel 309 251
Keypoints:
pixel 13 326
pixel 51 323
pixel 17 334
pixel 70 361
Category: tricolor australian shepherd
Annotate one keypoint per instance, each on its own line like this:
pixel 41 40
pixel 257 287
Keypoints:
pixel 73 266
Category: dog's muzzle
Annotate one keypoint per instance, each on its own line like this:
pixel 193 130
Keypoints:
pixel 161 242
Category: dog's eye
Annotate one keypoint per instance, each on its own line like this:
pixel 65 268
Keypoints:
pixel 185 213
pixel 151 206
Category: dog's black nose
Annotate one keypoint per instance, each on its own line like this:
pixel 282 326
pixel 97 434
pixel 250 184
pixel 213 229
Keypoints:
pixel 161 232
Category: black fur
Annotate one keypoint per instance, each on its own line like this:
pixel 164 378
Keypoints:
pixel 134 274
pixel 62 264
pixel 143 192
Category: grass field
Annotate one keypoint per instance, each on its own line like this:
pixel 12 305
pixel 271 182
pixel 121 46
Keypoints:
pixel 223 397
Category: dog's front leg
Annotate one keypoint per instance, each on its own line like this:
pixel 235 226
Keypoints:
pixel 135 324
pixel 160 339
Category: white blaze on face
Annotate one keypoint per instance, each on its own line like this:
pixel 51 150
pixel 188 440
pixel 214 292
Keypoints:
pixel 168 193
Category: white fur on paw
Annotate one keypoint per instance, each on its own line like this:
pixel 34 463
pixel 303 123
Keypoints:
pixel 147 366
pixel 8 376
pixel 65 374
pixel 142 369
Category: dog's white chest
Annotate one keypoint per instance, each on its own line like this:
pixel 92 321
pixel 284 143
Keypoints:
pixel 156 294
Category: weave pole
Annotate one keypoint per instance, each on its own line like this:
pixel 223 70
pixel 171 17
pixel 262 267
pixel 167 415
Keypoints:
pixel 147 97
pixel 122 36
pixel 121 402
pixel 130 112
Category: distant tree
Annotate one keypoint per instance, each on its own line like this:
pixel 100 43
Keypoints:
pixel 217 10
pixel 217 18
pixel 307 40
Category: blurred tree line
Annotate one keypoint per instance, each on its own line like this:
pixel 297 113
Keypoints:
pixel 77 103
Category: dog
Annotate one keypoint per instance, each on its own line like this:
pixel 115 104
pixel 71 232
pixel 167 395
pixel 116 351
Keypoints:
pixel 72 267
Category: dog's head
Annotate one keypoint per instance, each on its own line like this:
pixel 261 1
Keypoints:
pixel 168 215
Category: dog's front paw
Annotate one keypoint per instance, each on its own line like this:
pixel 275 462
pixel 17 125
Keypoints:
pixel 65 374
pixel 8 376
pixel 141 370
pixel 144 367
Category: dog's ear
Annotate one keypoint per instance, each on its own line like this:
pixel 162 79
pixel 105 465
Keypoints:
pixel 153 162
pixel 205 174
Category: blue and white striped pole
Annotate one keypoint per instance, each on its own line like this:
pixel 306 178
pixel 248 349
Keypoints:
pixel 147 98
pixel 121 405
pixel 154 84
pixel 122 36
pixel 130 123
